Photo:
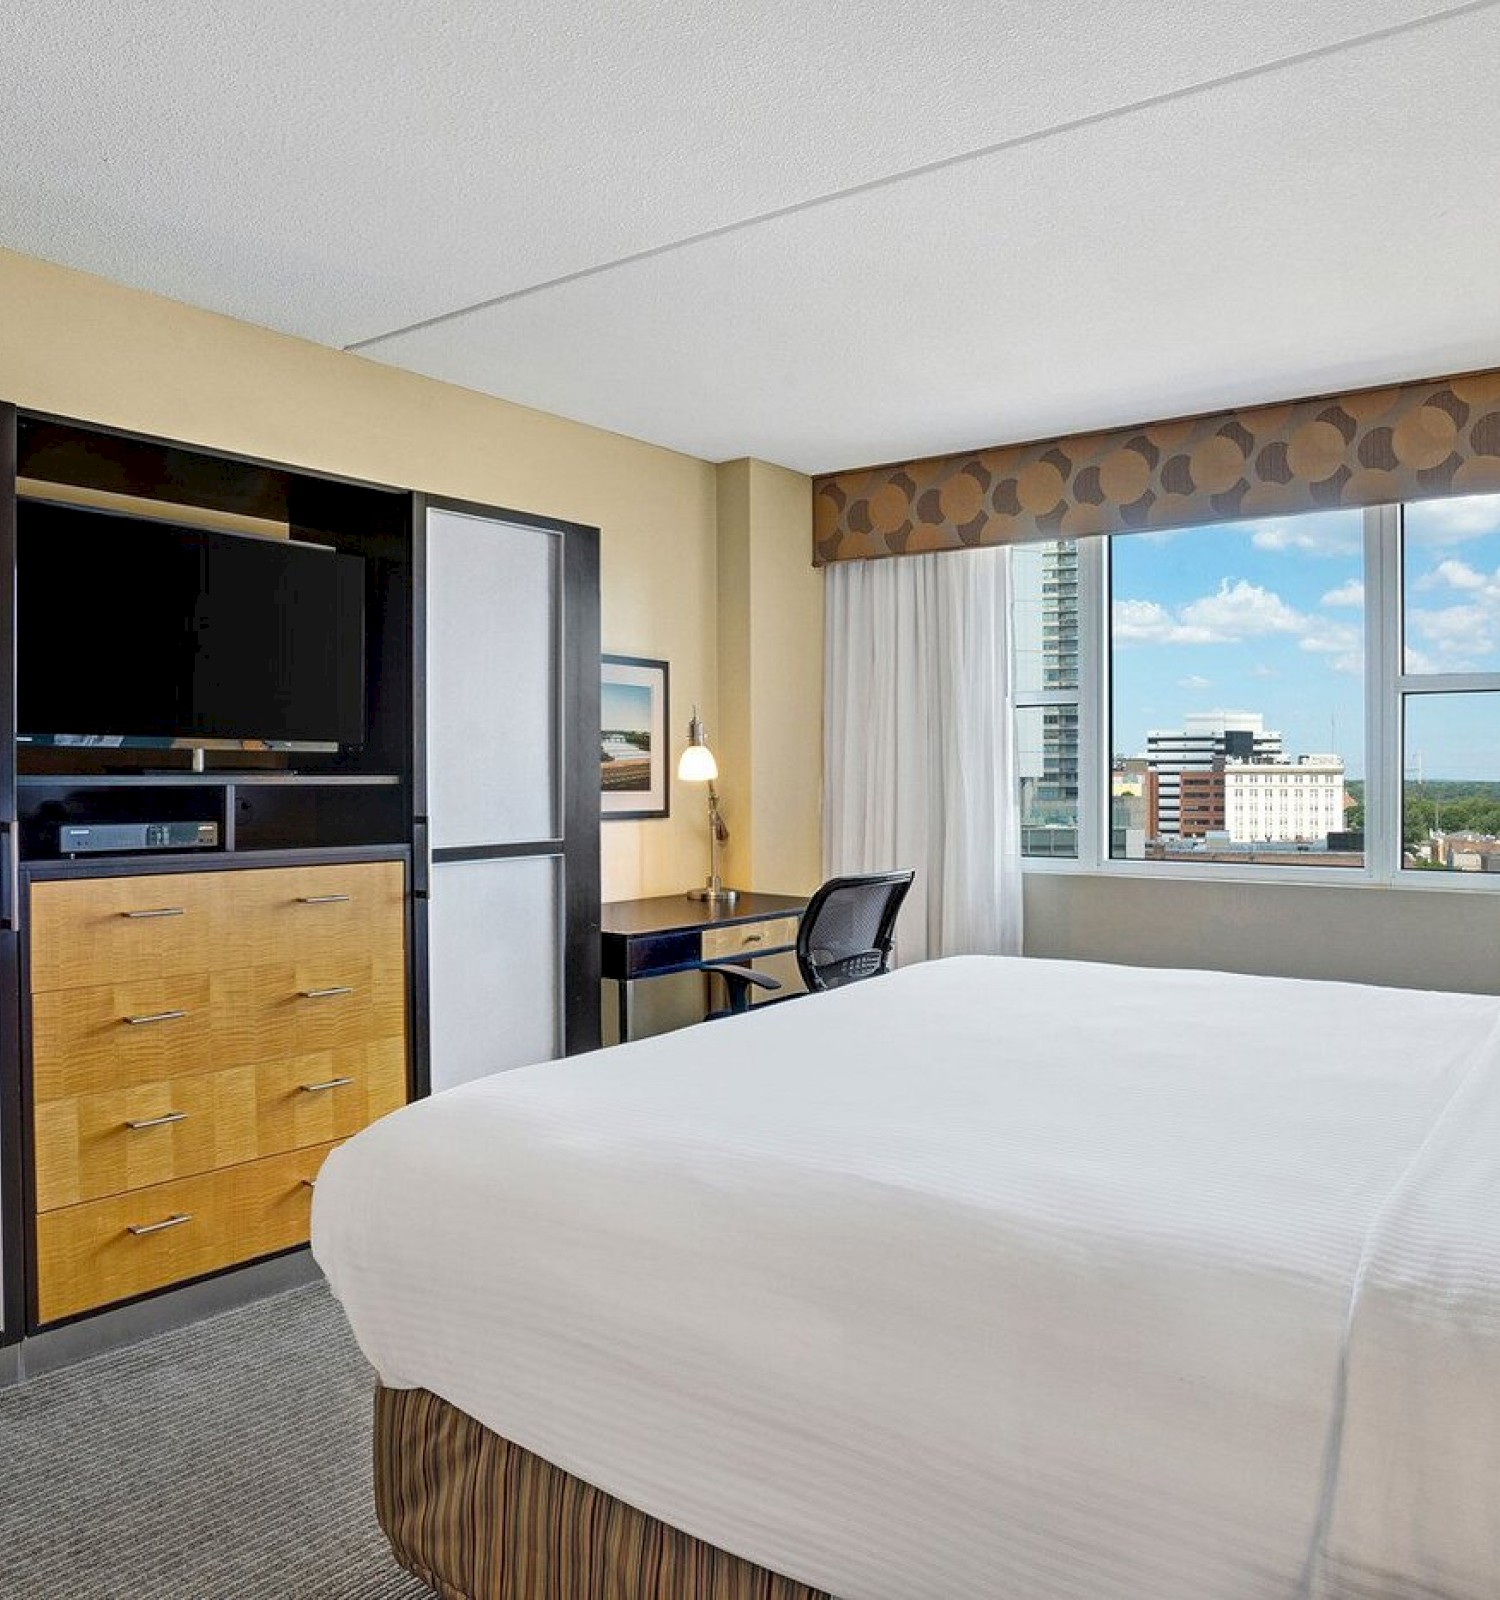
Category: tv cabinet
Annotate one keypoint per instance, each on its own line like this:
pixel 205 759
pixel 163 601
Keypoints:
pixel 185 1035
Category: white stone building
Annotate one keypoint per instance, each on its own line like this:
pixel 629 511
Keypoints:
pixel 1299 801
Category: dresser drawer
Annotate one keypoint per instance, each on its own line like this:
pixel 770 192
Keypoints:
pixel 323 915
pixel 93 1145
pixel 87 1255
pixel 127 930
pixel 328 1095
pixel 89 1146
pixel 84 1041
pixel 113 1035
pixel 91 931
pixel 746 938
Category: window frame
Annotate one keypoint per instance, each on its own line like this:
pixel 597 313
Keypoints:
pixel 1387 688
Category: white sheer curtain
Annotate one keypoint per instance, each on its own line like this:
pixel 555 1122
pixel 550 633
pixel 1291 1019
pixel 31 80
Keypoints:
pixel 919 744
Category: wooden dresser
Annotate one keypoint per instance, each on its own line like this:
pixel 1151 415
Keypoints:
pixel 199 1042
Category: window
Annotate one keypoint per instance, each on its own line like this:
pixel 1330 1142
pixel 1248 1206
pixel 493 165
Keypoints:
pixel 1449 685
pixel 1313 692
pixel 1237 713
pixel 1045 647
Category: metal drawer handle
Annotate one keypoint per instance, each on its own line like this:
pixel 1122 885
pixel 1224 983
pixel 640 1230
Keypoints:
pixel 141 1229
pixel 754 938
pixel 332 1083
pixel 154 1016
pixel 157 1122
pixel 323 899
pixel 160 911
pixel 324 994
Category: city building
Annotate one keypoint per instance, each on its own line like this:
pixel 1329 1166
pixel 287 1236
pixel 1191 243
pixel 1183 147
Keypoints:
pixel 1205 741
pixel 1046 653
pixel 1132 808
pixel 1466 852
pixel 1293 802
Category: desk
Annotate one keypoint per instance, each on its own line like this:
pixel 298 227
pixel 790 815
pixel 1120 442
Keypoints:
pixel 670 933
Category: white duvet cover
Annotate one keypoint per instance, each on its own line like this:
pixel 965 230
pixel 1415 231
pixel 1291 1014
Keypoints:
pixel 1012 1279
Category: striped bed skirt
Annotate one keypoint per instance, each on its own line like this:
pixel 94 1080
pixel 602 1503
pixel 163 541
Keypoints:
pixel 478 1518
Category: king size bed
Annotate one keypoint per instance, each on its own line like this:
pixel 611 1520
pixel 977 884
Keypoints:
pixel 993 1278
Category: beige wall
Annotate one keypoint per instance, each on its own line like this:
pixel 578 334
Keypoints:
pixel 81 347
pixel 770 737
pixel 76 345
pixel 770 678
pixel 1413 938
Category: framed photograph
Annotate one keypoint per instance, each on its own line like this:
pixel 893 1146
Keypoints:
pixel 633 723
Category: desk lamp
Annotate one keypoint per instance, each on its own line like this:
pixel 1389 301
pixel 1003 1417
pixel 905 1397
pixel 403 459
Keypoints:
pixel 697 765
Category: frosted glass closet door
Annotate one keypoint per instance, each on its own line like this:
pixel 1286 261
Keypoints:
pixel 492 941
pixel 492 681
pixel 494 794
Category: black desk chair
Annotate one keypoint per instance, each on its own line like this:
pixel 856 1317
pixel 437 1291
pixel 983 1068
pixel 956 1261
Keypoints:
pixel 844 937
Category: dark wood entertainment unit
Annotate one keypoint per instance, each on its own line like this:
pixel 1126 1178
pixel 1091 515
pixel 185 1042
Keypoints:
pixel 185 1033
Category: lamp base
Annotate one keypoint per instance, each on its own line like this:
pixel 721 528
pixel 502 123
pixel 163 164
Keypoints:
pixel 715 895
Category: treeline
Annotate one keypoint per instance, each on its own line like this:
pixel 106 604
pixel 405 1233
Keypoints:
pixel 1442 805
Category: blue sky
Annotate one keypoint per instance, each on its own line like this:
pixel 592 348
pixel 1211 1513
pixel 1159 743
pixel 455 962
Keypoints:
pixel 625 706
pixel 1268 616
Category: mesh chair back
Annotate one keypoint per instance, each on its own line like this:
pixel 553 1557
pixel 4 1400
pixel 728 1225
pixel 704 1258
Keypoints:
pixel 846 930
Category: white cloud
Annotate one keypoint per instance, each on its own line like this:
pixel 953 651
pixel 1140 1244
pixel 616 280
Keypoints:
pixel 1331 638
pixel 1241 610
pixel 1459 637
pixel 1235 612
pixel 1463 636
pixel 1347 594
pixel 1454 521
pixel 1454 573
pixel 1339 535
pixel 1146 622
pixel 1340 641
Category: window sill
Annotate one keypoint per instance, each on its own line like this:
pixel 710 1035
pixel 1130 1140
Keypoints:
pixel 1319 877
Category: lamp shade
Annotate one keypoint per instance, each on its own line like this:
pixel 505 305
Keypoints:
pixel 697 764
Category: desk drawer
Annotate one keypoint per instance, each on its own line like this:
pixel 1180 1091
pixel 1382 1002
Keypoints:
pixel 86 1147
pixel 748 938
pixel 88 1257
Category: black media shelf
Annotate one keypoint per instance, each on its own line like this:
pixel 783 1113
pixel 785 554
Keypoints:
pixel 254 811
pixel 246 777
pixel 169 861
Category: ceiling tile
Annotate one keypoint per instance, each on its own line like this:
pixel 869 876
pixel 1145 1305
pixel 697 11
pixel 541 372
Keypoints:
pixel 342 170
pixel 1323 226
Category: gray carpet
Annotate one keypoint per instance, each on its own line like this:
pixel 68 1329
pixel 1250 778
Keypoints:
pixel 226 1461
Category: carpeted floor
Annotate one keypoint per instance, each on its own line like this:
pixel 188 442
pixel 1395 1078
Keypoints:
pixel 226 1461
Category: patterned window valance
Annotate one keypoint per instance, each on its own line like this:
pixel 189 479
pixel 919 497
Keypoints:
pixel 1411 442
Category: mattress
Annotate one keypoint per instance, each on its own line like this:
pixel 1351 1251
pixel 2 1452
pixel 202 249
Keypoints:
pixel 993 1277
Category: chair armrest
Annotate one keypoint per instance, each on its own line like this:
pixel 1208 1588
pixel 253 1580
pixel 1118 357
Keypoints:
pixel 761 980
pixel 737 982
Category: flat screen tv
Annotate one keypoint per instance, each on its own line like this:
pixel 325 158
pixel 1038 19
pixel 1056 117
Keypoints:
pixel 136 631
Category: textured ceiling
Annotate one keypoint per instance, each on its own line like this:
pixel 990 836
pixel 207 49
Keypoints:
pixel 819 234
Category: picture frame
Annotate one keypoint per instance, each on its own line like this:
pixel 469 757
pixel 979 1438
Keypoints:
pixel 634 719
